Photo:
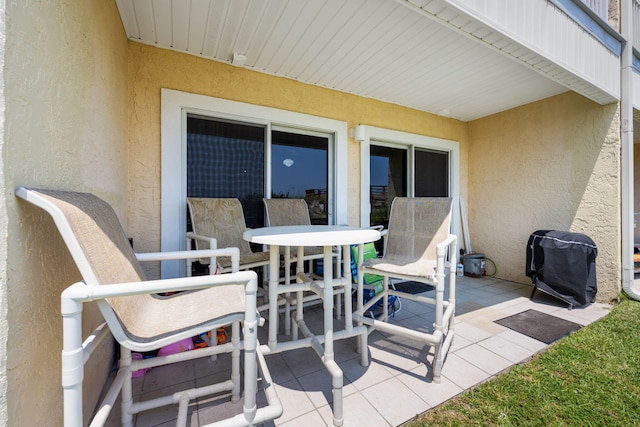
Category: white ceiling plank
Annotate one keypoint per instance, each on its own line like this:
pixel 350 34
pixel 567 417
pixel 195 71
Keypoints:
pixel 180 24
pixel 144 20
pixel 228 17
pixel 340 44
pixel 300 37
pixel 216 26
pixel 246 33
pixel 321 34
pixel 128 17
pixel 260 39
pixel 434 55
pixel 352 51
pixel 198 17
pixel 403 56
pixel 162 22
pixel 380 51
pixel 350 48
pixel 279 32
pixel 434 7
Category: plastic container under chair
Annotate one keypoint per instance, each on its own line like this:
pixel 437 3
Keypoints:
pixel 473 264
pixel 177 347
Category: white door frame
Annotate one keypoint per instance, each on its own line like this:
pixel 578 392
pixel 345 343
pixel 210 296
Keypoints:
pixel 365 134
pixel 174 109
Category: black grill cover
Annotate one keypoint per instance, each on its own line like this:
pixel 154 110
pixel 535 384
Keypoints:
pixel 563 264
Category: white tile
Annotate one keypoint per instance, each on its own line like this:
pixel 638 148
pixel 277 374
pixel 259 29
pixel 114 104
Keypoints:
pixel 211 411
pixel 471 332
pixel 463 373
pixel 362 377
pixel 506 307
pixel 310 419
pixel 467 307
pixel 419 381
pixel 484 359
pixel 459 342
pixel 395 401
pixel 496 299
pixel 318 387
pixel 278 368
pixel 528 343
pixel 581 316
pixel 357 411
pixel 302 361
pixel 419 323
pixel 506 349
pixel 294 401
pixel 396 359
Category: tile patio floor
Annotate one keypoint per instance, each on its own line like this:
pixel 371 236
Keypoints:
pixel 396 386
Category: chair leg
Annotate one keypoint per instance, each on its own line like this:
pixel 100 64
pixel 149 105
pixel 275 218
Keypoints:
pixel 437 363
pixel 72 363
pixel 235 361
pixel 287 280
pixel 250 361
pixel 127 390
pixel 265 284
pixel 439 327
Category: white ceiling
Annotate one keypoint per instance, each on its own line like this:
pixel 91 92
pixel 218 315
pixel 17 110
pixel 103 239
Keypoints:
pixel 388 50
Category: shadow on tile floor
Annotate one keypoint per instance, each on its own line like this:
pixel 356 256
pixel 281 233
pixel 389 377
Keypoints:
pixel 397 384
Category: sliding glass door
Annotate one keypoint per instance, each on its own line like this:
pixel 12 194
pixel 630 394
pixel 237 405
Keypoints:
pixel 245 160
pixel 397 170
pixel 300 170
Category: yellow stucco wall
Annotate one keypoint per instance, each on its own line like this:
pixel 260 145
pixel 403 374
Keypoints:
pixel 151 69
pixel 552 164
pixel 65 127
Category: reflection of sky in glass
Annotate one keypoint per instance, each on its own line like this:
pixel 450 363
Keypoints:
pixel 308 171
pixel 379 167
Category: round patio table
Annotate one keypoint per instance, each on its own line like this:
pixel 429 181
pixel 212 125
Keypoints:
pixel 325 236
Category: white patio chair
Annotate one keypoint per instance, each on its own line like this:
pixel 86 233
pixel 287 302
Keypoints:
pixel 142 321
pixel 416 248
pixel 219 222
pixel 282 212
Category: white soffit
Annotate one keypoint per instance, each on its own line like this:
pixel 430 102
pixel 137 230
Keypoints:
pixel 427 55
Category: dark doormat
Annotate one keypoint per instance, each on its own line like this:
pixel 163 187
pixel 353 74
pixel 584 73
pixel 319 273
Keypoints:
pixel 411 287
pixel 540 326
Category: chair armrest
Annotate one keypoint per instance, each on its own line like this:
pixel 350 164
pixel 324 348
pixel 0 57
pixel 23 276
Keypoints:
pixel 234 253
pixel 441 248
pixel 213 243
pixel 81 292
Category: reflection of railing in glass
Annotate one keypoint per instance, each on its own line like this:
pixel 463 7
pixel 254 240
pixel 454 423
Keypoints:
pixel 316 199
pixel 379 204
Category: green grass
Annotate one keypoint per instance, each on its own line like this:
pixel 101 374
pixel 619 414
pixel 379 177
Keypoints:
pixel 590 378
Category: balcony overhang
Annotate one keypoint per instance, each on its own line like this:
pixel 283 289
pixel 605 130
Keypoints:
pixel 454 58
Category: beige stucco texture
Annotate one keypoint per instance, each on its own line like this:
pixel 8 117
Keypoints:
pixel 65 127
pixel 552 164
